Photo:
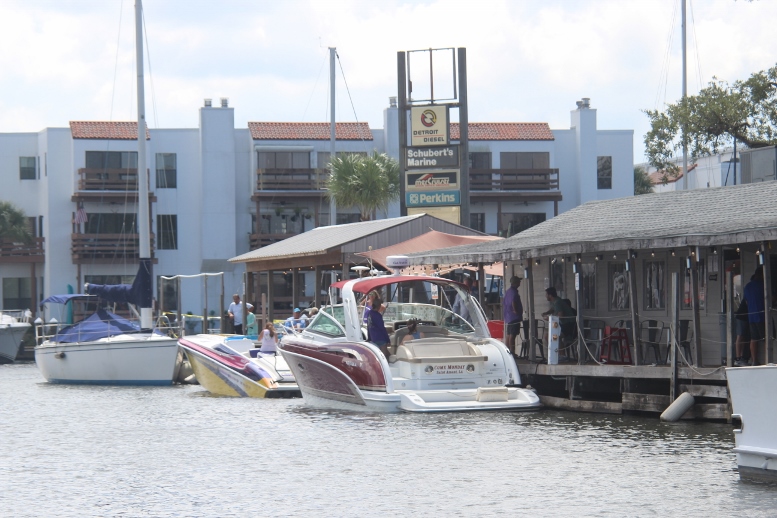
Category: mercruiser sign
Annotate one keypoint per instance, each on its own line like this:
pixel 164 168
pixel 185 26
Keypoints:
pixel 432 157
pixel 425 180
pixel 429 125
pixel 432 198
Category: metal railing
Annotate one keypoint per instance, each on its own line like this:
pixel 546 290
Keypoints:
pixel 513 180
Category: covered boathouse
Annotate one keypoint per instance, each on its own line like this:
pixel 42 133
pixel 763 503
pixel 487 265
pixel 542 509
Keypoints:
pixel 655 280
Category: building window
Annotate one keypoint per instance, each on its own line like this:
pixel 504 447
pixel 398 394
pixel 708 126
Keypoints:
pixel 111 160
pixel 588 285
pixel 284 160
pixel 619 286
pixel 477 221
pixel 655 282
pixel 480 160
pixel 524 160
pixel 166 171
pixel 17 293
pixel 604 172
pixel 27 168
pixel 110 224
pixel 342 219
pixel 109 279
pixel 167 231
pixel 167 295
pixel 701 270
pixel 513 223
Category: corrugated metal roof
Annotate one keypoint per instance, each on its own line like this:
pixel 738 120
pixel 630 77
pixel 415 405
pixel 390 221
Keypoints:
pixel 321 239
pixel 722 215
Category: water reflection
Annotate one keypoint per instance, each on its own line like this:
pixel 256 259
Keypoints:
pixel 178 451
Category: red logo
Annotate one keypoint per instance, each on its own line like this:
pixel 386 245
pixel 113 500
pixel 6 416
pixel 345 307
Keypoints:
pixel 428 118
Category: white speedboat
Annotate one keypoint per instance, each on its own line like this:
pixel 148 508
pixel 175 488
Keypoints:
pixel 13 325
pixel 233 366
pixel 454 365
pixel 105 349
pixel 752 392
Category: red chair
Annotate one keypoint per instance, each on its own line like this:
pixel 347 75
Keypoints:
pixel 615 347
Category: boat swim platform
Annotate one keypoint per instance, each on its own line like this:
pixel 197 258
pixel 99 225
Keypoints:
pixel 622 388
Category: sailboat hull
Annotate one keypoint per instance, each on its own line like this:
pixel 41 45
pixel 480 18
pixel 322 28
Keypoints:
pixel 118 360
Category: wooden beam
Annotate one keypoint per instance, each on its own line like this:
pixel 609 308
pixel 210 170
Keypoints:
pixel 532 322
pixel 730 321
pixel 767 262
pixel 674 330
pixel 693 257
pixel 578 405
pixel 713 391
pixel 633 300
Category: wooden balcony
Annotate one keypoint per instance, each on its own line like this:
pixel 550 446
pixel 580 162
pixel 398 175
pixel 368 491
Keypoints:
pixel 260 240
pixel 106 248
pixel 108 179
pixel 291 179
pixel 18 252
pixel 513 180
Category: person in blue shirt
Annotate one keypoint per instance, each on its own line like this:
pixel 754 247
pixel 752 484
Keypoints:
pixel 295 322
pixel 376 328
pixel 754 295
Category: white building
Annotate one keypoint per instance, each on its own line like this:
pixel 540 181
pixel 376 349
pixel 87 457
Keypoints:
pixel 218 191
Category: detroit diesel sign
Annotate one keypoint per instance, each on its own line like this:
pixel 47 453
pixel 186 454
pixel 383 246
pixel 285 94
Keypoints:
pixel 432 157
pixel 429 125
pixel 432 198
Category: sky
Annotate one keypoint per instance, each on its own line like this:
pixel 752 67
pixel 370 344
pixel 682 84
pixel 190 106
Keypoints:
pixel 527 60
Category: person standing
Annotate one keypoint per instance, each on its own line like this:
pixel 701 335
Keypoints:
pixel 376 328
pixel 754 295
pixel 235 312
pixel 252 327
pixel 512 312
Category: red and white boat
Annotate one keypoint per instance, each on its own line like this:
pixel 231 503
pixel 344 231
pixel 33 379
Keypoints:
pixel 454 366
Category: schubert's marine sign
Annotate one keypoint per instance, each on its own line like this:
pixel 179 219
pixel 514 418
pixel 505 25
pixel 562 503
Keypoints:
pixel 429 125
pixel 432 157
pixel 437 180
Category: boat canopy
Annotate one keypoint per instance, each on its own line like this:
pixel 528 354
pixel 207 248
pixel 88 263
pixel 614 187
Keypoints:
pixel 367 284
pixel 64 299
pixel 138 293
pixel 101 324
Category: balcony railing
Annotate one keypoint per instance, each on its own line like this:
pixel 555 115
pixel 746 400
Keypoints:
pixel 291 179
pixel 513 179
pixel 260 240
pixel 108 179
pixel 88 247
pixel 20 252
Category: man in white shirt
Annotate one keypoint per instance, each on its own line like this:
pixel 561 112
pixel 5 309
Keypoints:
pixel 236 314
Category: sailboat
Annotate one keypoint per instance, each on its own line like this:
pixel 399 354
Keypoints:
pixel 106 349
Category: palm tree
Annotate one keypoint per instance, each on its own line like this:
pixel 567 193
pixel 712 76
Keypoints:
pixel 368 183
pixel 642 182
pixel 13 223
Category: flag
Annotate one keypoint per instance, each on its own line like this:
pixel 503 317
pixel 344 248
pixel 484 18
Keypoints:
pixel 81 216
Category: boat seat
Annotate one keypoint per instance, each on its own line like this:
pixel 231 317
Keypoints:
pixel 439 349
pixel 427 330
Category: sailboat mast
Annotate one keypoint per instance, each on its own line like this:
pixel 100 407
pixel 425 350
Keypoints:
pixel 143 222
pixel 685 94
pixel 332 134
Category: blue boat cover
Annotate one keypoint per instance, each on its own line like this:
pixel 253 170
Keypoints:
pixel 138 293
pixel 99 325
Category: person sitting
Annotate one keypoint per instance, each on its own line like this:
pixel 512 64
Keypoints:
pixel 269 339
pixel 412 331
pixel 295 322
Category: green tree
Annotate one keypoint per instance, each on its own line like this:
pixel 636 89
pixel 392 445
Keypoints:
pixel 368 183
pixel 13 223
pixel 713 118
pixel 642 182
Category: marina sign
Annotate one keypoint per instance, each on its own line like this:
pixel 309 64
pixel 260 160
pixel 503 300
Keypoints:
pixel 432 157
pixel 432 198
pixel 446 179
pixel 429 125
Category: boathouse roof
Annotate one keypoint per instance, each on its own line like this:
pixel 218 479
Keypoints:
pixel 340 243
pixel 700 217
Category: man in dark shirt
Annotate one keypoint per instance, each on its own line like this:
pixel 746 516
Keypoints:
pixel 754 295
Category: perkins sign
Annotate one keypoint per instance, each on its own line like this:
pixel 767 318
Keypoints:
pixel 425 180
pixel 429 125
pixel 432 198
pixel 432 157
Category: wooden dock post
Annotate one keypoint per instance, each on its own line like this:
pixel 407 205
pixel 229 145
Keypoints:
pixel 675 341
pixel 693 258
pixel 532 323
pixel 767 301
pixel 729 316
pixel 633 301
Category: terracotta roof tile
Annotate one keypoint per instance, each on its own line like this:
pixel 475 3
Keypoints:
pixel 657 177
pixel 105 130
pixel 505 131
pixel 308 130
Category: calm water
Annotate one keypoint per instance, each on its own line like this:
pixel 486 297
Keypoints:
pixel 103 451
